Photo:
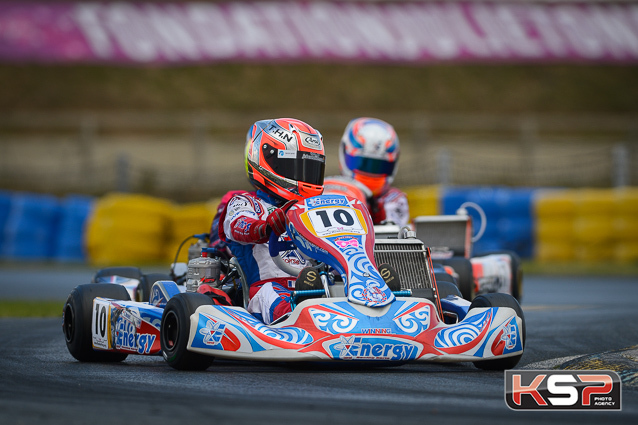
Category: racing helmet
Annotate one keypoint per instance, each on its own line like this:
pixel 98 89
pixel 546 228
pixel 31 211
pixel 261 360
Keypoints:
pixel 285 158
pixel 369 153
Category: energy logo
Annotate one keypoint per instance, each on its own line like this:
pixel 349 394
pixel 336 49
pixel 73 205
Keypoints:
pixel 361 348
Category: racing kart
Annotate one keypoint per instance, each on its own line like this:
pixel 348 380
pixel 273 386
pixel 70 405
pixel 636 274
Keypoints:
pixel 354 317
pixel 451 241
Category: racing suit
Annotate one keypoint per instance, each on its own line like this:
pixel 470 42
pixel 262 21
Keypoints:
pixel 392 206
pixel 270 287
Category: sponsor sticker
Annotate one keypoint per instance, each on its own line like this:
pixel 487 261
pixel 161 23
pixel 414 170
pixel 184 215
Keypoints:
pixel 286 154
pixel 369 348
pixel 280 134
pixel 563 390
pixel 334 221
pixel 310 141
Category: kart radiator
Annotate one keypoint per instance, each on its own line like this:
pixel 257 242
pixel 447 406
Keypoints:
pixel 410 259
pixel 445 233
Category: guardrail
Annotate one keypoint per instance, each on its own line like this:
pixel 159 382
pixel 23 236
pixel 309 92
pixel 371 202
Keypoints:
pixel 193 156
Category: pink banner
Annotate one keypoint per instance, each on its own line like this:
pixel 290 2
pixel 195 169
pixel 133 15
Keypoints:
pixel 422 32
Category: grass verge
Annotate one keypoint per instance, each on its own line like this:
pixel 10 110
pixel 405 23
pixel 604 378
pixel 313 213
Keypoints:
pixel 31 308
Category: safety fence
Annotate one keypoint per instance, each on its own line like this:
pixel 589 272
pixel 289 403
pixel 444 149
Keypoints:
pixel 549 225
pixel 190 157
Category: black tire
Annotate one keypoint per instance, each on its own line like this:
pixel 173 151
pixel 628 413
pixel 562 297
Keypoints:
pixel 76 323
pixel 444 277
pixel 463 267
pixel 143 291
pixel 175 329
pixel 498 299
pixel 130 272
pixel 517 272
pixel 447 288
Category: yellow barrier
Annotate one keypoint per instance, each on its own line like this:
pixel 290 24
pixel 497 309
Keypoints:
pixel 127 229
pixel 550 251
pixel 599 224
pixel 187 220
pixel 423 200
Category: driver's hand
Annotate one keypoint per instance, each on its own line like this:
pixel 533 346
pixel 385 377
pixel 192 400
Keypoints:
pixel 276 220
pixel 377 210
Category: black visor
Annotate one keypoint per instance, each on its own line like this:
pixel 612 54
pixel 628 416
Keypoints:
pixel 307 167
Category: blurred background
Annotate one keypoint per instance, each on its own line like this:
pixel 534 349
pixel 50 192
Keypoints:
pixel 122 123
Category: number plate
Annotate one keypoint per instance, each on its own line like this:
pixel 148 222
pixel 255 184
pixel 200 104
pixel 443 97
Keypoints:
pixel 101 323
pixel 334 221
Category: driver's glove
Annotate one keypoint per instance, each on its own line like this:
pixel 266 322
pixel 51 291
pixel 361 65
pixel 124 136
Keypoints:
pixel 276 221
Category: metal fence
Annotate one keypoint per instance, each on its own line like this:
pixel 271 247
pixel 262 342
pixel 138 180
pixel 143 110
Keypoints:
pixel 190 156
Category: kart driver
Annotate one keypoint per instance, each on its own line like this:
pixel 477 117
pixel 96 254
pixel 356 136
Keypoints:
pixel 368 159
pixel 285 161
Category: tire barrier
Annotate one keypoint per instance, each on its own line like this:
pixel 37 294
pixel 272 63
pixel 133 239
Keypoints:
pixel 587 225
pixel 188 220
pixel 69 242
pixel 557 225
pixel 5 206
pixel 509 213
pixel 30 227
pixel 423 200
pixel 128 229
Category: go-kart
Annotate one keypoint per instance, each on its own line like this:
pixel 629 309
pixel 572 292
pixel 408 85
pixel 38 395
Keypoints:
pixel 354 317
pixel 451 240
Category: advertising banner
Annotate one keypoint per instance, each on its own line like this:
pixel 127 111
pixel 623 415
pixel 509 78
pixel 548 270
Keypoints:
pixel 289 31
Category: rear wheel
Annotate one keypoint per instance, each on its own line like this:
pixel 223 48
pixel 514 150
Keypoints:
pixel 77 316
pixel 143 292
pixel 500 300
pixel 447 288
pixel 463 267
pixel 129 272
pixel 175 330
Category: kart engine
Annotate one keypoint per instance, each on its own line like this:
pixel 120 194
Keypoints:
pixel 203 268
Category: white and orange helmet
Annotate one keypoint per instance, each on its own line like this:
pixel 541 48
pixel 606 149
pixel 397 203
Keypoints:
pixel 285 158
pixel 369 153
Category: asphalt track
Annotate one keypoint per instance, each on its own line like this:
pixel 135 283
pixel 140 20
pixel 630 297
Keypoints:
pixel 41 383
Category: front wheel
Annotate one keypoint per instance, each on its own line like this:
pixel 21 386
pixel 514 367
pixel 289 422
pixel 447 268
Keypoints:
pixel 175 330
pixel 498 299
pixel 77 321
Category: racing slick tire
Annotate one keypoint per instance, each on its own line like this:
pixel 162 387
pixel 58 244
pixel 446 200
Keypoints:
pixel 463 267
pixel 143 291
pixel 175 330
pixel 499 299
pixel 130 272
pixel 77 316
pixel 447 288
pixel 517 272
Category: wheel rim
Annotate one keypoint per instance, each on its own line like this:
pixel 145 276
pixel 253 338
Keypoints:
pixel 170 330
pixel 68 325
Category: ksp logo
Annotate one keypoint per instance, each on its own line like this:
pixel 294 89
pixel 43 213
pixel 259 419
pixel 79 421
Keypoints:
pixel 563 390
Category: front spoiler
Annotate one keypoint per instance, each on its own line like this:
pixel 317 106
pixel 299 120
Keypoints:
pixel 326 330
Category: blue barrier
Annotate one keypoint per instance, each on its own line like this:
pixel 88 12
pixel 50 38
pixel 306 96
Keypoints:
pixel 509 212
pixel 69 241
pixel 5 205
pixel 31 225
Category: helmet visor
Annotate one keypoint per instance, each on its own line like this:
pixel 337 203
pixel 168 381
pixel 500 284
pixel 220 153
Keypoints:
pixel 370 165
pixel 307 167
